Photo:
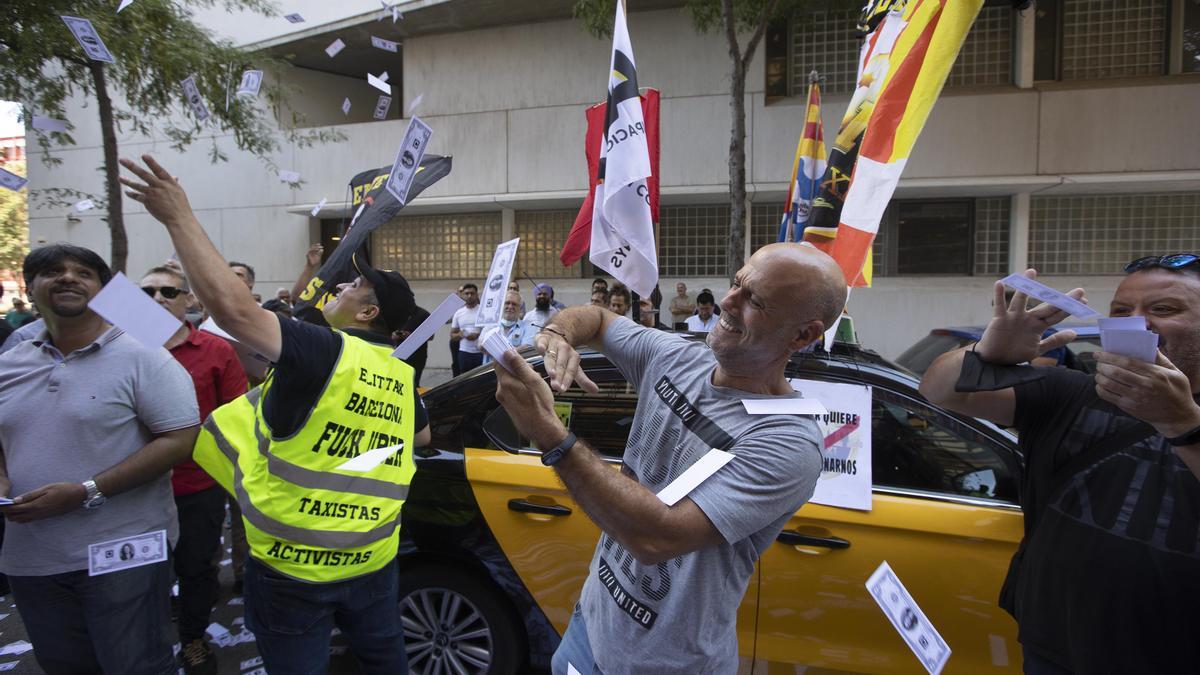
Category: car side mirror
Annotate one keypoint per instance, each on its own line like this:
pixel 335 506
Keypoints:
pixel 500 430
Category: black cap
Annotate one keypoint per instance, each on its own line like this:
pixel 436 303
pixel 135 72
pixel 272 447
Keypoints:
pixel 396 301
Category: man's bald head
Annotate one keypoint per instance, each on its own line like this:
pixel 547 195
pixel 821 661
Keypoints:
pixel 815 282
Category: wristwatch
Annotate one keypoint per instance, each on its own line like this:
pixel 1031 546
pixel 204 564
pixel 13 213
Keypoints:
pixel 95 498
pixel 1190 438
pixel 552 456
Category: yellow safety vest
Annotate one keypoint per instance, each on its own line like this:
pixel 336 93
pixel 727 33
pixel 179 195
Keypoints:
pixel 306 518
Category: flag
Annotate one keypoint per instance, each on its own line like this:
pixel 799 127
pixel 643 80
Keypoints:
pixel 807 169
pixel 622 241
pixel 374 205
pixel 904 63
pixel 581 232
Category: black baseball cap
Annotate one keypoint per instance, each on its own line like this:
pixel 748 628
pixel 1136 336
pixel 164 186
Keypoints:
pixel 396 301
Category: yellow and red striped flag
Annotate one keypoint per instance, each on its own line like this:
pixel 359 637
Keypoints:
pixel 807 169
pixel 904 64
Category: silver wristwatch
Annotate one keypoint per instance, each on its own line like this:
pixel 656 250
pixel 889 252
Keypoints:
pixel 95 498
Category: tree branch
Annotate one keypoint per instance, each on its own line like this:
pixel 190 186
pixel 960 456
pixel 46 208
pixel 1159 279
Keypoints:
pixel 763 19
pixel 735 52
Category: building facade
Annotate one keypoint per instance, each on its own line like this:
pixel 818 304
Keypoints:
pixel 1064 141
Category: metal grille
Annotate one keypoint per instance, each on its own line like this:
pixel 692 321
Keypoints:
pixel 826 42
pixel 449 246
pixel 986 56
pixel 992 219
pixel 692 241
pixel 1113 38
pixel 543 234
pixel 1098 234
pixel 764 224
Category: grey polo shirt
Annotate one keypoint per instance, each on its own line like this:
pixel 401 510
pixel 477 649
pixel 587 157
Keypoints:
pixel 66 419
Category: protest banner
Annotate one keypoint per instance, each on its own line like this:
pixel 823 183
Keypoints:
pixel 846 458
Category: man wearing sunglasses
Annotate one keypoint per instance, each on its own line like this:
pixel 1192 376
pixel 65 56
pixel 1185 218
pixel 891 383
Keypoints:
pixel 1107 578
pixel 218 378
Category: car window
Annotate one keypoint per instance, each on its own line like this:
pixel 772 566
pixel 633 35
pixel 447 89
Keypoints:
pixel 603 419
pixel 917 447
pixel 918 357
pixel 1085 351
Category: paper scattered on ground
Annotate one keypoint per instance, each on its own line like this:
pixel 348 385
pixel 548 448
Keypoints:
pixel 15 648
pixel 123 304
pixel 8 666
pixel 335 47
pixel 370 459
pixel 695 474
pixel 438 318
pixel 1036 289
pixel 236 600
pixel 239 621
pixel 908 619
pixel 379 84
pixel 225 562
pixel 250 663
pixel 319 206
pixel 784 406
pixel 218 634
pixel 48 123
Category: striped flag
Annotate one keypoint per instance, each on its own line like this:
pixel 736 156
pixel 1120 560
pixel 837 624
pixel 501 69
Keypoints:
pixel 904 63
pixel 807 169
pixel 622 226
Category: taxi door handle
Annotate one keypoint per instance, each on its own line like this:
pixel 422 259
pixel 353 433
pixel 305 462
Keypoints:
pixel 796 539
pixel 522 506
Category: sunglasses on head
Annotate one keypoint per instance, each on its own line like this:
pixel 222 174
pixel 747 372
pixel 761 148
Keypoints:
pixel 1172 262
pixel 168 292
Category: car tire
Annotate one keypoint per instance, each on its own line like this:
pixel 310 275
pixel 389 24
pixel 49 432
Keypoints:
pixel 477 635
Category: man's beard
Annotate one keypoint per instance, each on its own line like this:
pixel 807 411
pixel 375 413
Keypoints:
pixel 542 304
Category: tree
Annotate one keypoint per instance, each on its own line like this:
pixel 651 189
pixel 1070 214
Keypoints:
pixel 155 45
pixel 730 17
pixel 14 225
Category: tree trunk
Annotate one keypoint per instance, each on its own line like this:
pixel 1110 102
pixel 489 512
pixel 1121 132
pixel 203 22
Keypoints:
pixel 735 254
pixel 112 188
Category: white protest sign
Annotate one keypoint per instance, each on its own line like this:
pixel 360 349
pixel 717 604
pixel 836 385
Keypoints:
pixel 846 429
pixel 11 180
pixel 408 158
pixel 126 553
pixel 908 619
pixel 495 287
pixel 1036 289
pixel 379 83
pixel 381 107
pixel 192 93
pixel 251 81
pixel 335 47
pixel 48 123
pixel 88 38
pixel 693 476
pixel 438 318
pixel 125 305
pixel 385 45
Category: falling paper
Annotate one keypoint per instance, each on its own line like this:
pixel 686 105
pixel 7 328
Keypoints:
pixel 251 81
pixel 495 288
pixel 92 45
pixel 124 4
pixel 438 318
pixel 48 123
pixel 385 45
pixel 11 180
pixel 415 102
pixel 289 176
pixel 123 304
pixel 219 634
pixel 408 158
pixel 335 47
pixel 15 648
pixel 294 18
pixel 383 77
pixel 370 459
pixel 908 619
pixel 379 84
pixel 381 108
pixel 346 107
pixel 192 93
pixel 84 205
pixel 317 208
pixel 250 663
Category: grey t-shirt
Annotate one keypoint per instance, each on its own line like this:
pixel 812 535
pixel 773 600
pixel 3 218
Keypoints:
pixel 681 615
pixel 68 419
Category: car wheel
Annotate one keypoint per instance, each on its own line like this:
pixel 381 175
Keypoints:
pixel 454 623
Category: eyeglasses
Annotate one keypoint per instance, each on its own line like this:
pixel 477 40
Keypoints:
pixel 1172 262
pixel 168 292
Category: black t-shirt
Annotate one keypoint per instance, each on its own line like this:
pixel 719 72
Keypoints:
pixel 1110 577
pixel 307 357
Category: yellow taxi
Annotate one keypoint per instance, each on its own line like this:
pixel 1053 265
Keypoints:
pixel 496 551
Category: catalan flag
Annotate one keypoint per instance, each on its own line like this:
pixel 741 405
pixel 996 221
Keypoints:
pixel 908 52
pixel 807 169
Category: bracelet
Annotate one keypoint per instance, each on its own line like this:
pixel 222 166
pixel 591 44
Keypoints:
pixel 1190 438
pixel 551 330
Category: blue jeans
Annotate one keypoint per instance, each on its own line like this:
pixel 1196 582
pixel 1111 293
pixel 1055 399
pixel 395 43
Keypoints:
pixel 112 623
pixel 575 649
pixel 292 620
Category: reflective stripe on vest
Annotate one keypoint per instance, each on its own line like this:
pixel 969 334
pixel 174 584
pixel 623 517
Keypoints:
pixel 305 517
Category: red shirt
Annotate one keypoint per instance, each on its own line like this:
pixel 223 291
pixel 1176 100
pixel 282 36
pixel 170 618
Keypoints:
pixel 219 378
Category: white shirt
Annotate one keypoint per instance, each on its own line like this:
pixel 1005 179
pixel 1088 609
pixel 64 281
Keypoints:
pixel 539 318
pixel 697 325
pixel 464 320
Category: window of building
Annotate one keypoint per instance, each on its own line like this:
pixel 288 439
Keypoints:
pixel 692 240
pixel 445 246
pixel 543 234
pixel 825 42
pixel 764 223
pixel 925 237
pixel 1098 234
pixel 1190 43
pixel 986 57
pixel 1100 39
pixel 993 216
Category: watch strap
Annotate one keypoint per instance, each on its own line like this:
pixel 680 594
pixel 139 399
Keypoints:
pixel 552 456
pixel 1190 438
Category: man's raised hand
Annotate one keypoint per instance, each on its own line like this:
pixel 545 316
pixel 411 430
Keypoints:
pixel 159 191
pixel 1014 334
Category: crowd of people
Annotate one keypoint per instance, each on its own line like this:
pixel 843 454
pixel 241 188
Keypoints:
pixel 148 442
